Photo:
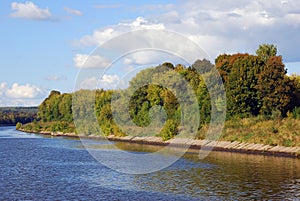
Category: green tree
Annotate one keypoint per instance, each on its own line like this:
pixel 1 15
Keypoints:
pixel 255 84
pixel 266 51
pixel 275 89
pixel 239 73
pixel 48 110
pixel 202 66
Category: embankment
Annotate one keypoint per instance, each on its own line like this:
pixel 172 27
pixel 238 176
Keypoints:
pixel 239 147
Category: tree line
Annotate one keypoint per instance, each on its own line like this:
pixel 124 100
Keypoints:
pixel 13 115
pixel 255 85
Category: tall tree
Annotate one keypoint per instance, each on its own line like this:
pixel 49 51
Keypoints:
pixel 239 72
pixel 255 84
pixel 275 89
pixel 266 51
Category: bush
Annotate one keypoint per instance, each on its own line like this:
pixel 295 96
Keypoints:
pixel 169 130
pixel 18 126
pixel 28 127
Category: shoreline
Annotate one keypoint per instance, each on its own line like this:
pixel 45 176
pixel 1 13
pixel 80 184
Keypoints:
pixel 223 146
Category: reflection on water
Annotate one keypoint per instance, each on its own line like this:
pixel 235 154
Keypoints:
pixel 220 175
pixel 37 168
pixel 239 175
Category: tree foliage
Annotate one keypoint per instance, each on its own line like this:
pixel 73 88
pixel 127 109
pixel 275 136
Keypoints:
pixel 266 51
pixel 13 115
pixel 255 85
pixel 57 107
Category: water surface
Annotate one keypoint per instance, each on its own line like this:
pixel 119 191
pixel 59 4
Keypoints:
pixel 35 167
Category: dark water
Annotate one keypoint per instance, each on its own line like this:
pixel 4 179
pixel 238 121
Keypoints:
pixel 35 167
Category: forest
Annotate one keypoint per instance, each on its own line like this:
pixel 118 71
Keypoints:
pixel 13 115
pixel 262 102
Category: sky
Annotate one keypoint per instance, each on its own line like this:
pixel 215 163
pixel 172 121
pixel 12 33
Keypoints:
pixel 45 45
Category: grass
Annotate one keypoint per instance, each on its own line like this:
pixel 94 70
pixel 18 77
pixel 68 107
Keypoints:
pixel 285 132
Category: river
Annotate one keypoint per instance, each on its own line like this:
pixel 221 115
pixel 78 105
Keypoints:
pixel 36 167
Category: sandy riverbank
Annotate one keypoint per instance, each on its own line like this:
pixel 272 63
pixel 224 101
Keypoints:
pixel 239 147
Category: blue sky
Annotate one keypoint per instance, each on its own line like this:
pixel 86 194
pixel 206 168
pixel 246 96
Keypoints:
pixel 43 43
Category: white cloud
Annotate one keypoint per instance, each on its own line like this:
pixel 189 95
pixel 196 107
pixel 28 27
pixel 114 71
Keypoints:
pixel 23 91
pixel 240 25
pixel 142 23
pixel 100 36
pixel 20 95
pixel 3 87
pixel 150 58
pixel 29 10
pixel 220 26
pixel 109 79
pixel 141 58
pixel 106 82
pixel 89 83
pixel 55 78
pixel 73 11
pixel 90 61
pixel 293 19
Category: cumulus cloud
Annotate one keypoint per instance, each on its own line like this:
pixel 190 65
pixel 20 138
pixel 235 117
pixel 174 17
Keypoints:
pixel 109 79
pixel 20 95
pixel 241 25
pixel 106 82
pixel 23 91
pixel 142 58
pixel 142 23
pixel 150 58
pixel 220 26
pixel 73 11
pixel 29 10
pixel 90 61
pixel 100 36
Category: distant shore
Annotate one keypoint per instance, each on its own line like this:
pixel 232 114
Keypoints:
pixel 5 125
pixel 226 146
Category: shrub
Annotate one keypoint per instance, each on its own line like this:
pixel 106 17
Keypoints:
pixel 28 127
pixel 169 130
pixel 18 126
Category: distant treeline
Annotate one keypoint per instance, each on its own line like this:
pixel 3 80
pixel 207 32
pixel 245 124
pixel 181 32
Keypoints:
pixel 255 85
pixel 13 115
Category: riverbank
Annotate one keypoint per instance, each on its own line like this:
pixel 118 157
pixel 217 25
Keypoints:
pixel 227 146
